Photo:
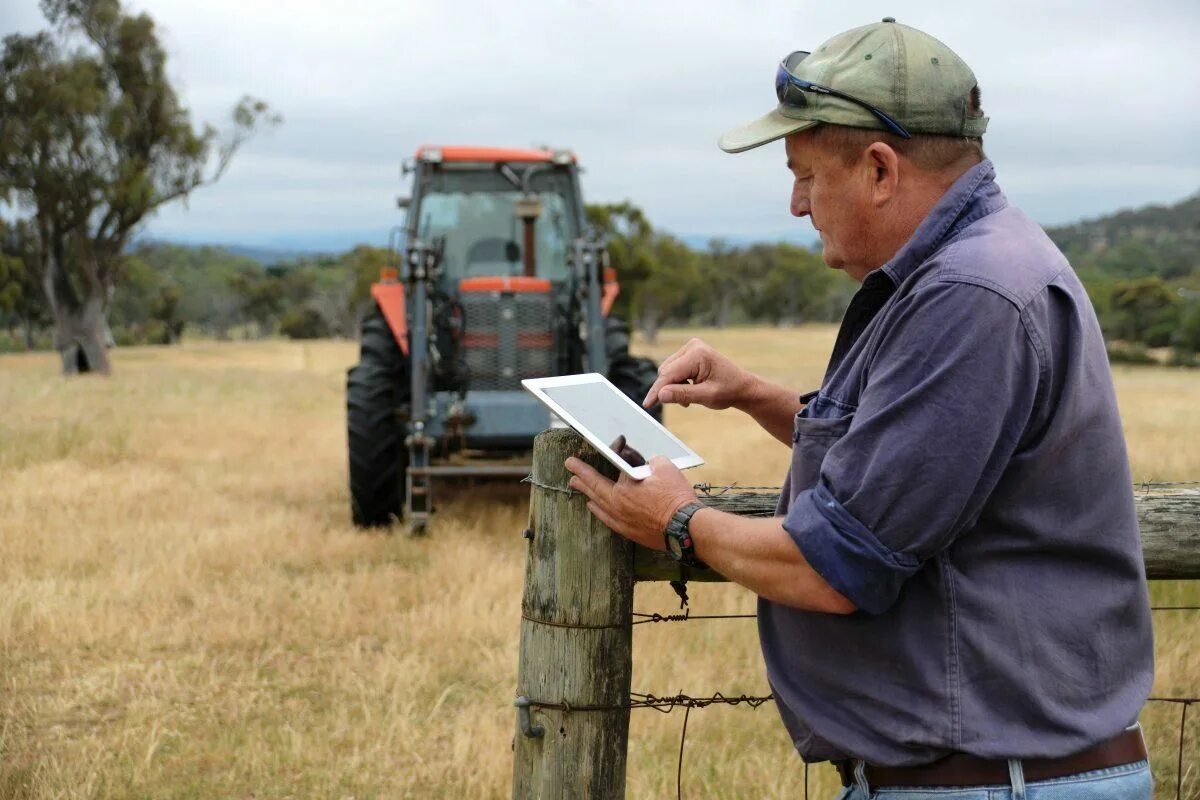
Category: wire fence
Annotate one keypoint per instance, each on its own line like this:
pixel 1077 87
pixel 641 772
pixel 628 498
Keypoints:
pixel 752 505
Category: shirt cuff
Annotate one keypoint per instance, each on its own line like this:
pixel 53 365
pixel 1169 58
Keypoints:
pixel 845 552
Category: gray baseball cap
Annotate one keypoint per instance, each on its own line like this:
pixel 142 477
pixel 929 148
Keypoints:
pixel 906 73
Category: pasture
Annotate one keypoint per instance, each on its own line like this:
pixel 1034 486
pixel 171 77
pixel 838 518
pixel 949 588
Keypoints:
pixel 186 612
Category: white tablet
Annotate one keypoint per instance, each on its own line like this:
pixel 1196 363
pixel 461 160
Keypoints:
pixel 603 414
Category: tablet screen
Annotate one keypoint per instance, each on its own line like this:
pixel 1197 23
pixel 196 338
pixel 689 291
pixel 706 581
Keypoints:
pixel 605 412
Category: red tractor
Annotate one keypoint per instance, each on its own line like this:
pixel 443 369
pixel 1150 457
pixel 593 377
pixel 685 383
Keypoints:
pixel 499 279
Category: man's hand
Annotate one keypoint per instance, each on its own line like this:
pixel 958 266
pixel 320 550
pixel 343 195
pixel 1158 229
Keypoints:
pixel 718 383
pixel 715 381
pixel 638 510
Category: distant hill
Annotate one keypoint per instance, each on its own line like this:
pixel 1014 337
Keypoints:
pixel 265 256
pixel 1154 241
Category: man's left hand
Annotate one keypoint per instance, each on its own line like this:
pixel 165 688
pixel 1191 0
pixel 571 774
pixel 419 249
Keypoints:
pixel 638 510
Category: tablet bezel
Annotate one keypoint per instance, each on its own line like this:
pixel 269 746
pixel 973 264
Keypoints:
pixel 537 386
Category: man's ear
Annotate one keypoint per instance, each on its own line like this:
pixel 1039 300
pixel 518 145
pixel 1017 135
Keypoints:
pixel 884 164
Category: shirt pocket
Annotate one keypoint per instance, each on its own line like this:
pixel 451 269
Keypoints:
pixel 812 438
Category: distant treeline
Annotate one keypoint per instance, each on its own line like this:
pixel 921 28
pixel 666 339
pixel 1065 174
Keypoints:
pixel 1142 271
pixel 1141 268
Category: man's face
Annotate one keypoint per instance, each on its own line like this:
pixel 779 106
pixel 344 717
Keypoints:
pixel 836 200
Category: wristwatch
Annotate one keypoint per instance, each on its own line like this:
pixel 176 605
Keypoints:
pixel 679 537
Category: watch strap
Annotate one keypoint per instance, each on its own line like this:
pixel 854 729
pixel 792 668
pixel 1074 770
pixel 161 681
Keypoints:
pixel 679 533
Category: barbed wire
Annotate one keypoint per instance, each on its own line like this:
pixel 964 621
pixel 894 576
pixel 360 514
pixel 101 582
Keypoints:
pixel 664 704
pixel 532 481
pixel 686 616
pixel 710 489
pixel 1164 484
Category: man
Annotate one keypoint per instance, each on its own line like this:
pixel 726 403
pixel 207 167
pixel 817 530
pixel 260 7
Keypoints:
pixel 953 594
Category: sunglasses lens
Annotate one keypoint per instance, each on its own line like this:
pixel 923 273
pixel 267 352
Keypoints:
pixel 793 60
pixel 786 92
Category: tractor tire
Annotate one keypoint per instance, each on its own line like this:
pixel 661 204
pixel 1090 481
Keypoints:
pixel 634 376
pixel 375 388
pixel 616 338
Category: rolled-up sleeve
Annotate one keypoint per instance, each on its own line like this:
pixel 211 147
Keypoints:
pixel 947 396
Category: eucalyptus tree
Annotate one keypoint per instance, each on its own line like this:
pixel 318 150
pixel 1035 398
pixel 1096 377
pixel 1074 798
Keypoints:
pixel 93 140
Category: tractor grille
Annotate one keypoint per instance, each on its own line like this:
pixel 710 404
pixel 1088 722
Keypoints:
pixel 509 335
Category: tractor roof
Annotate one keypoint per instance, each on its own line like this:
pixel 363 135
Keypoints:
pixel 427 152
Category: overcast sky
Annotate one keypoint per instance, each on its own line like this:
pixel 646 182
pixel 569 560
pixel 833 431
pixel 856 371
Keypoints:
pixel 1093 107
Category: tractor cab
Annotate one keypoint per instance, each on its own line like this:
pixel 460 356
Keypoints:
pixel 501 213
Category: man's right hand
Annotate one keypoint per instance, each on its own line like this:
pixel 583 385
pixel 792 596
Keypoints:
pixel 696 373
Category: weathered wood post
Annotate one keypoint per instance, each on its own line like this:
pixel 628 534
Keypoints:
pixel 576 638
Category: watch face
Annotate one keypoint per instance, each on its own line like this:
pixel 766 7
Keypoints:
pixel 674 546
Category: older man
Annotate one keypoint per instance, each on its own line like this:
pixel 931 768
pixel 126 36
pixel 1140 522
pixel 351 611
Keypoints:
pixel 952 594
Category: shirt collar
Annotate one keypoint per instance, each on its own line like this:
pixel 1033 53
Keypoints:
pixel 974 195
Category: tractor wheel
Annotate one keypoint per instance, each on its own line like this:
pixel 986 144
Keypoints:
pixel 375 388
pixel 616 338
pixel 634 376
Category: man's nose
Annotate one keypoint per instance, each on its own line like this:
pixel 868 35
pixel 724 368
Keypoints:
pixel 800 207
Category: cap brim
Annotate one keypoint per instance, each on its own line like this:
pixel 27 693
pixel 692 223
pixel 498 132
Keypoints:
pixel 767 128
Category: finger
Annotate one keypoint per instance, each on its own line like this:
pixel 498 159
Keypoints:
pixel 662 467
pixel 681 371
pixel 602 515
pixel 667 367
pixel 688 347
pixel 588 480
pixel 684 394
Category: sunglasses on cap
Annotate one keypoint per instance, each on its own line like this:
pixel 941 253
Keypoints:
pixel 790 91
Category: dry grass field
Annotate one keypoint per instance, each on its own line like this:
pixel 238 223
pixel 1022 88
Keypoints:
pixel 186 612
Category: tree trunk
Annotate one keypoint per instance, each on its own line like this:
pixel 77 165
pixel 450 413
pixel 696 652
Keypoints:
pixel 80 338
pixel 80 328
pixel 650 320
pixel 722 305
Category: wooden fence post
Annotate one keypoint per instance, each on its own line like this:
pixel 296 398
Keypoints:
pixel 573 677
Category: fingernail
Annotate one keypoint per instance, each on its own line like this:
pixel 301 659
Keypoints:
pixel 666 396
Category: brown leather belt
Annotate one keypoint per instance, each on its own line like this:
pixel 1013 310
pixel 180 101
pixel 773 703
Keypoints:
pixel 961 769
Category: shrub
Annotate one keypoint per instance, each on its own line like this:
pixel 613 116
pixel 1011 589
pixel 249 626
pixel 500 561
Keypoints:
pixel 303 323
pixel 1123 353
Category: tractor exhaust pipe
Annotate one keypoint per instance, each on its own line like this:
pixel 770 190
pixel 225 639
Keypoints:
pixel 529 208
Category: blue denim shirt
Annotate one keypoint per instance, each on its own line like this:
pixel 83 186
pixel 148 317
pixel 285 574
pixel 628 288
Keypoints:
pixel 961 476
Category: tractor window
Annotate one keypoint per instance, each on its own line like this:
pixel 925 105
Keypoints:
pixel 476 212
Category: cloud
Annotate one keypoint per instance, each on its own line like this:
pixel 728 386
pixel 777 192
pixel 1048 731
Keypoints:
pixel 1092 107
